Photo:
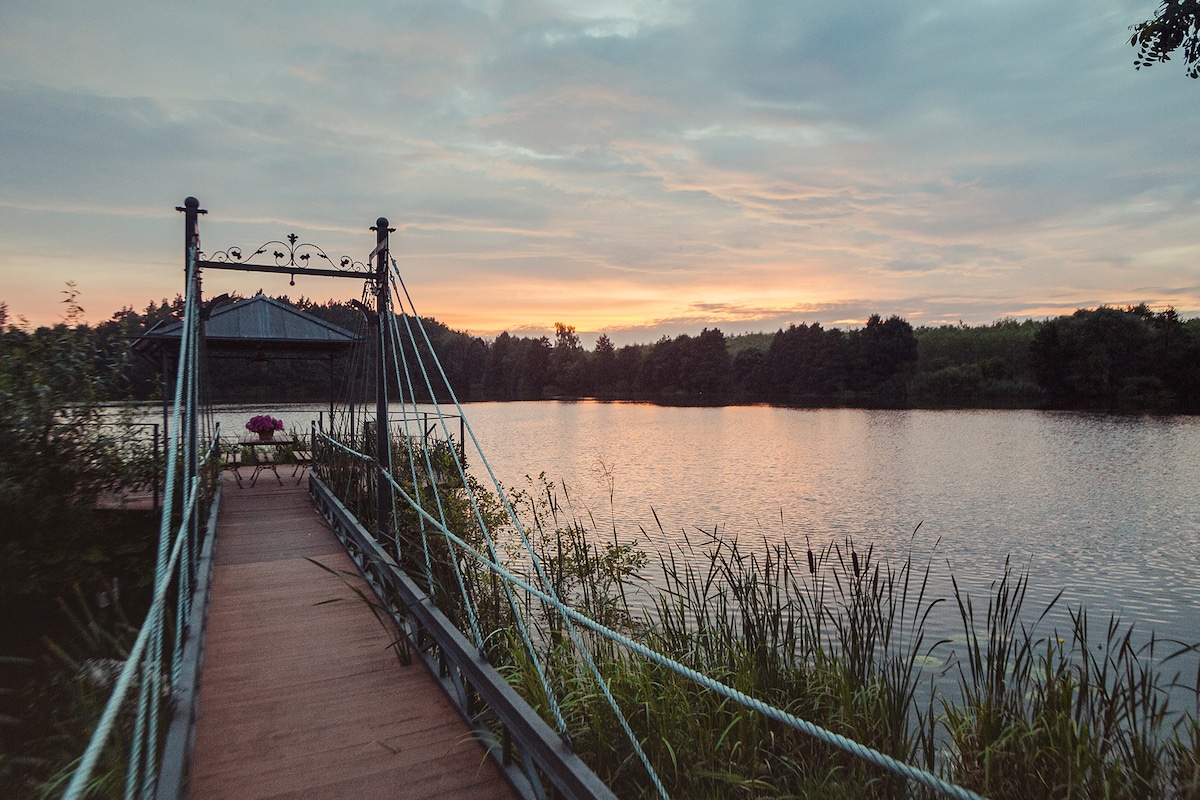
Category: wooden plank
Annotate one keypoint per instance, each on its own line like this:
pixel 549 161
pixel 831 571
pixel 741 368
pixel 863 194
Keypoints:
pixel 553 757
pixel 301 693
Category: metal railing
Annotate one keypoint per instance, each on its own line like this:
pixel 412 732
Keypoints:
pixel 526 747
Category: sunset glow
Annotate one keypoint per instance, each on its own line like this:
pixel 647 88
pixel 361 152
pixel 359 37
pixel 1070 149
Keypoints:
pixel 638 169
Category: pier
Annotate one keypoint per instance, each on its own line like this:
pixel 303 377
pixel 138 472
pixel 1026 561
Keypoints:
pixel 302 693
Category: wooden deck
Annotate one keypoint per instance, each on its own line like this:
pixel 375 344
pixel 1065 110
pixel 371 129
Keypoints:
pixel 300 694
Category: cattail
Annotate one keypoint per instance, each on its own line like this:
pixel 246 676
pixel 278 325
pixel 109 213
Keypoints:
pixel 854 558
pixel 812 563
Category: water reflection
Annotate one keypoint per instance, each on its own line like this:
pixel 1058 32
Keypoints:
pixel 1105 508
pixel 1102 507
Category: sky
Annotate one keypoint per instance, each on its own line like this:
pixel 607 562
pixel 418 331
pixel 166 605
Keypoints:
pixel 635 168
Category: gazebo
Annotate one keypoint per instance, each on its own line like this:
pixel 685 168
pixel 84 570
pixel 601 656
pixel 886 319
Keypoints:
pixel 258 327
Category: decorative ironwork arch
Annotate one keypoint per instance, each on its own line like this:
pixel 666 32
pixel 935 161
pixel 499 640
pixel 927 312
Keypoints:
pixel 292 257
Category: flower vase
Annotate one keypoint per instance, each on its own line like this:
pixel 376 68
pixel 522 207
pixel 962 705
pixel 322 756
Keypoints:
pixel 266 436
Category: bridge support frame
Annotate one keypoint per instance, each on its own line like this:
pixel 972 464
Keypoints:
pixel 383 437
pixel 297 259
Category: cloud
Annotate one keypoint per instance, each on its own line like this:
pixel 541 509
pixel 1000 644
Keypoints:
pixel 618 164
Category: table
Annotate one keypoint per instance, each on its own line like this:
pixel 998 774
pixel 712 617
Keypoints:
pixel 264 462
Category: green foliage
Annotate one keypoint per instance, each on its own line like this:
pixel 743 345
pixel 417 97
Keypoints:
pixel 748 341
pixel 60 448
pixel 52 701
pixel 1067 716
pixel 1003 346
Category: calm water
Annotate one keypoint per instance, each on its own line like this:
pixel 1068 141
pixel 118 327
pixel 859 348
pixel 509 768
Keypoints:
pixel 1106 508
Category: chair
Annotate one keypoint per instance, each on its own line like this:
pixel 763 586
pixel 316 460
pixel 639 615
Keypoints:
pixel 232 454
pixel 303 459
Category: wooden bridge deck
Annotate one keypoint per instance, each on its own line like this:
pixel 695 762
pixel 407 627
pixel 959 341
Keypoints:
pixel 300 695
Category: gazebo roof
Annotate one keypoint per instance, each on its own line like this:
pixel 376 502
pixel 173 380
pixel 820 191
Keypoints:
pixel 257 323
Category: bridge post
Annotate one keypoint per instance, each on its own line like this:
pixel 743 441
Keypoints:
pixel 191 434
pixel 383 439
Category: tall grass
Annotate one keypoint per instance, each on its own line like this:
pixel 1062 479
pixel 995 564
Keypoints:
pixel 54 701
pixel 836 636
pixel 1077 715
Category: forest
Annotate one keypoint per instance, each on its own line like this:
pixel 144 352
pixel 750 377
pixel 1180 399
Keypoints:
pixel 1131 358
pixel 1125 359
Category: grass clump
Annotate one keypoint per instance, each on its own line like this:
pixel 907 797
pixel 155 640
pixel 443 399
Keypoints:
pixel 1064 716
pixel 835 640
pixel 52 700
pixel 838 638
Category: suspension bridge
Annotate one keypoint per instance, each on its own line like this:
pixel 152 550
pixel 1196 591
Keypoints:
pixel 382 626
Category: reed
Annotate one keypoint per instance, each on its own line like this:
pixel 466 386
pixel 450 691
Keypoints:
pixel 1071 715
pixel 837 636
pixel 832 639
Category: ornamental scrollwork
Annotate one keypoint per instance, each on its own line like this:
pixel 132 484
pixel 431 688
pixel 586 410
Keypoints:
pixel 292 253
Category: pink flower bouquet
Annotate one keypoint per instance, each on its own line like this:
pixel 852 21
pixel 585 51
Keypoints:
pixel 264 423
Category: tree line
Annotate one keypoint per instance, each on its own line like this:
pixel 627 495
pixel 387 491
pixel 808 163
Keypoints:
pixel 1128 358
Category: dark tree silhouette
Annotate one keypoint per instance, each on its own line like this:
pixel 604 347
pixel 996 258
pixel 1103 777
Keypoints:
pixel 884 350
pixel 500 370
pixel 603 370
pixel 704 364
pixel 1175 26
pixel 629 369
pixel 806 361
pixel 1133 357
pixel 660 367
pixel 534 367
pixel 570 377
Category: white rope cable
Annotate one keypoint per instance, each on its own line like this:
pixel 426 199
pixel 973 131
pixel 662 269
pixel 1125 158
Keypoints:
pixel 87 762
pixel 174 553
pixel 551 698
pixel 580 646
pixel 405 379
pixel 402 368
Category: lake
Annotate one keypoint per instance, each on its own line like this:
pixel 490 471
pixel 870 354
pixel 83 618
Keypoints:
pixel 1105 508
